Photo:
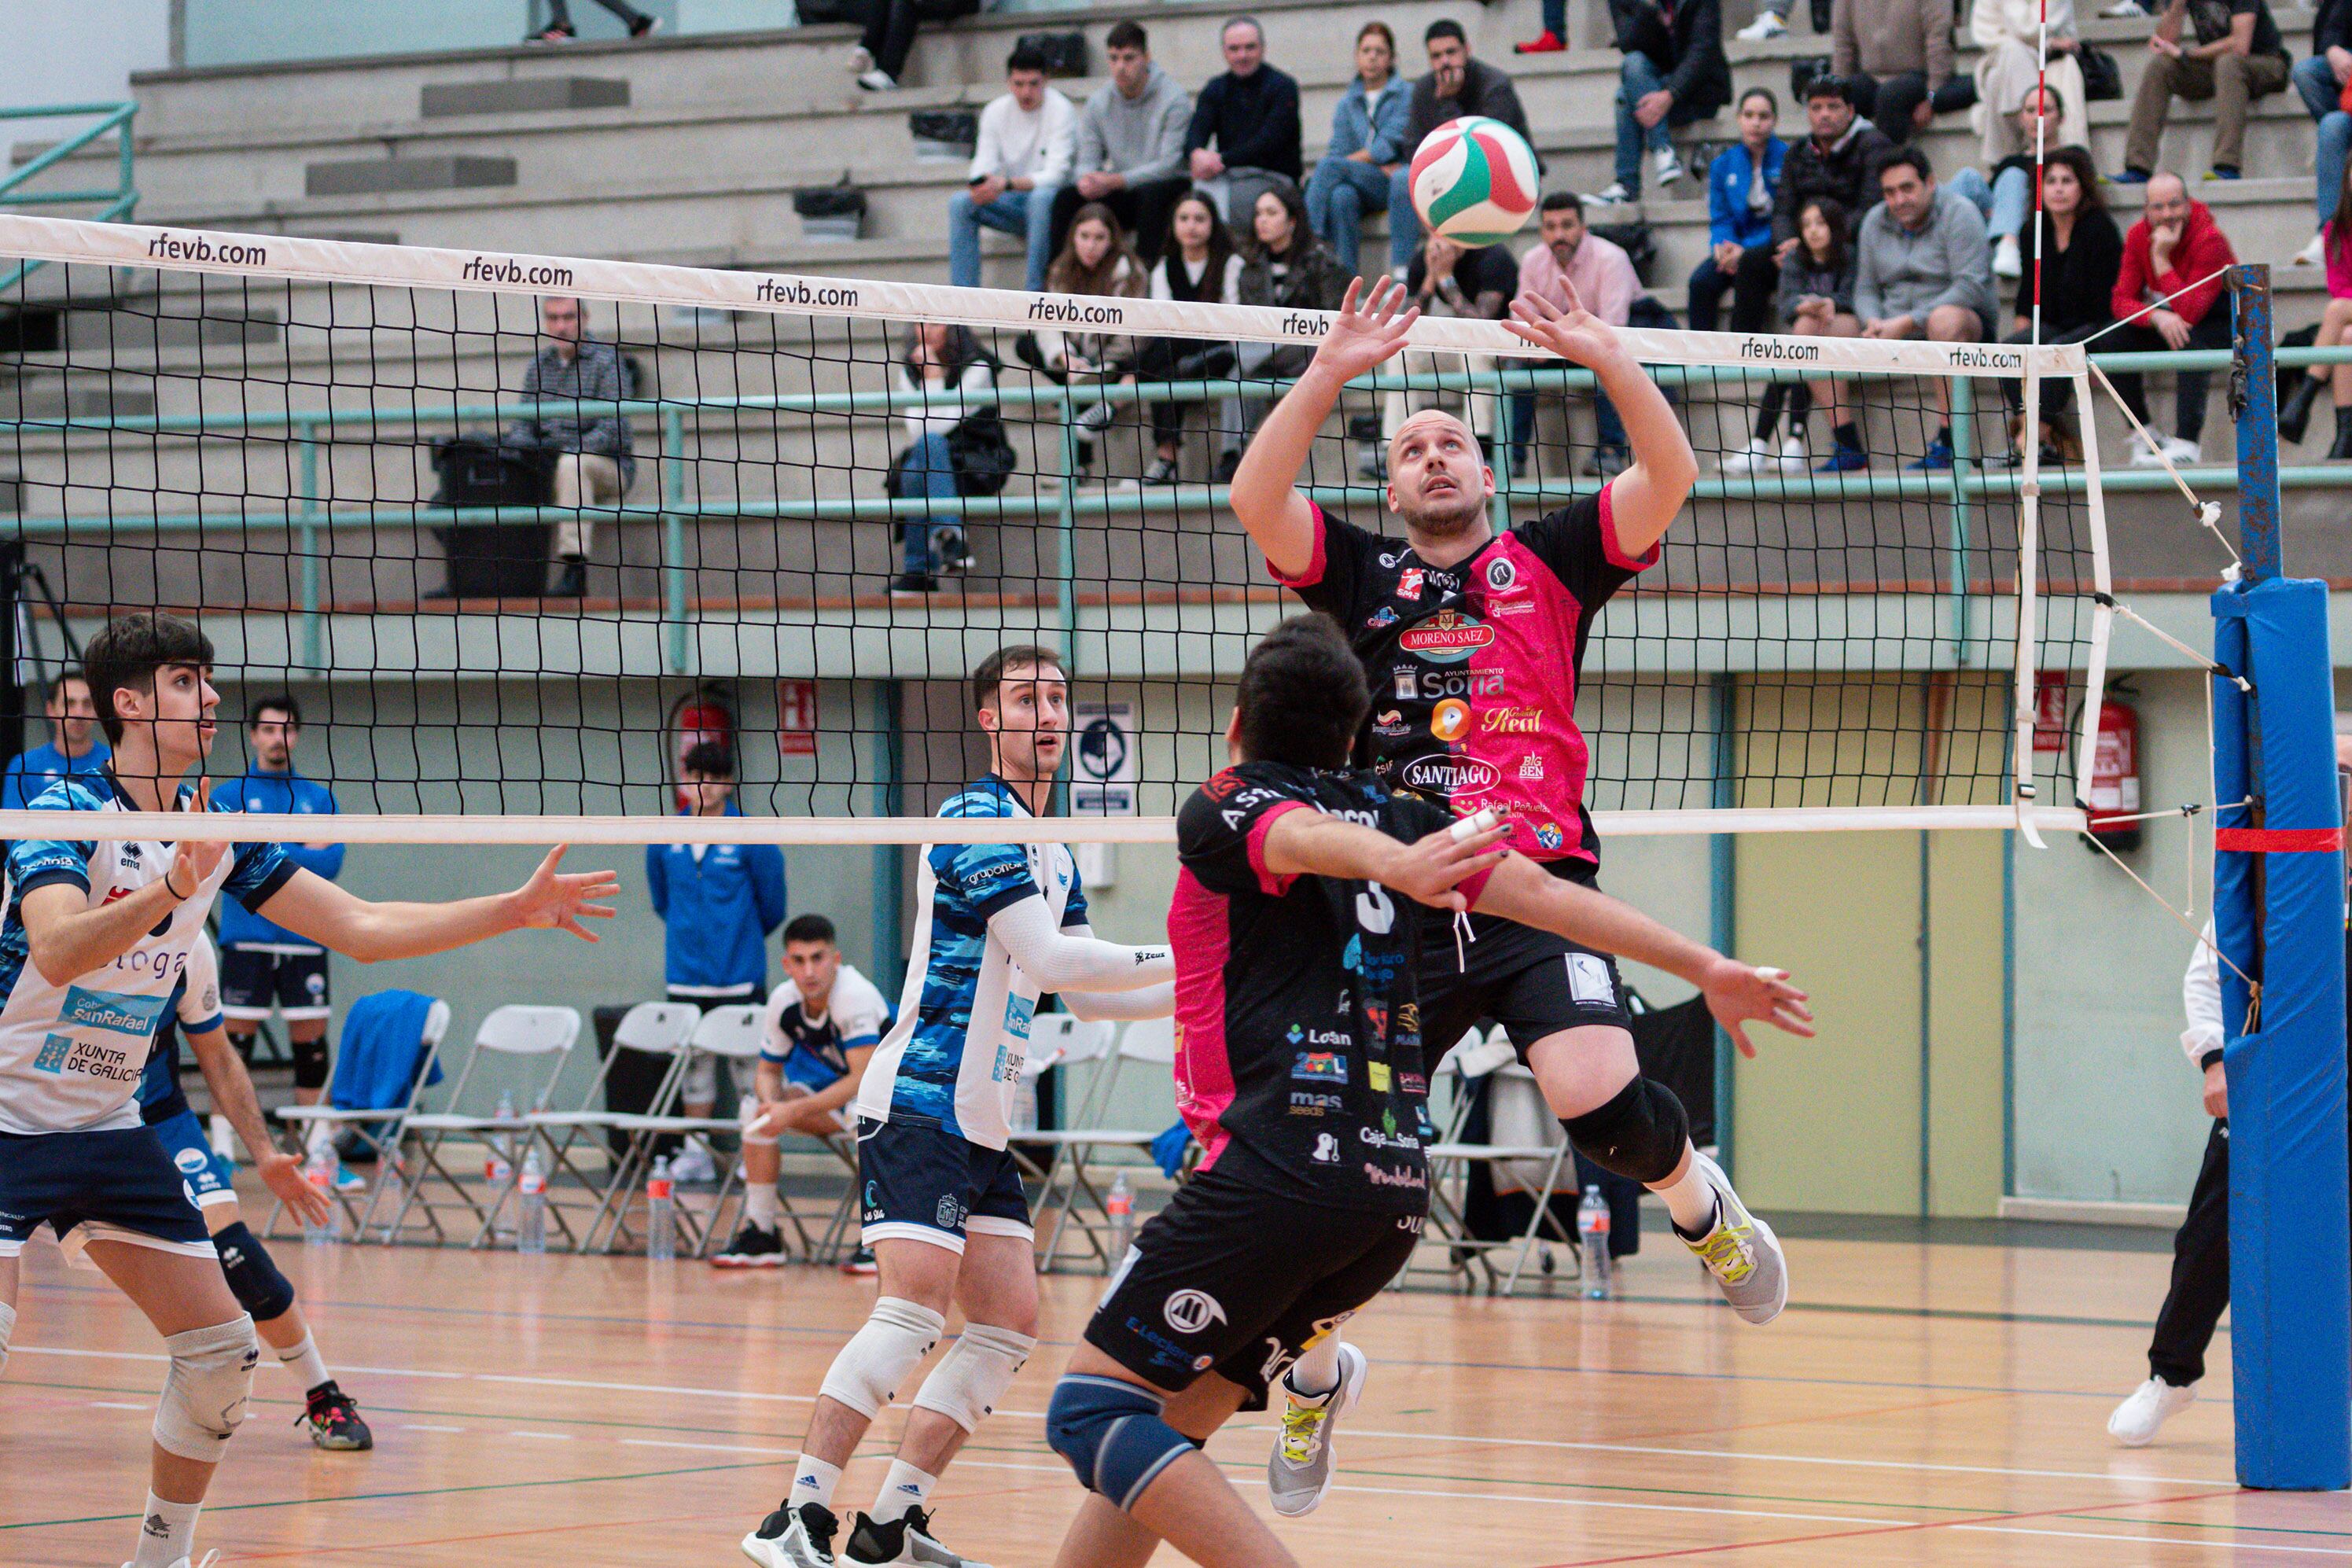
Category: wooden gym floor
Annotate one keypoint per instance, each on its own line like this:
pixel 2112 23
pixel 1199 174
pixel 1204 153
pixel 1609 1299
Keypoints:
pixel 1921 1401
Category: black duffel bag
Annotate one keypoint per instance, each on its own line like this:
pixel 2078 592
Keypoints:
pixel 493 560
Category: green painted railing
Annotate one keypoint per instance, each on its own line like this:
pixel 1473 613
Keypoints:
pixel 114 204
pixel 1970 483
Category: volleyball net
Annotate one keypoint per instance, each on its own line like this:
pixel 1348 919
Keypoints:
pixel 804 509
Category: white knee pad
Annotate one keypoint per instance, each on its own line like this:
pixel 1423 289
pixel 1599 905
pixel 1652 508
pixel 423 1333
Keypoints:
pixel 205 1391
pixel 866 1376
pixel 974 1374
pixel 8 1329
pixel 699 1084
pixel 760 1135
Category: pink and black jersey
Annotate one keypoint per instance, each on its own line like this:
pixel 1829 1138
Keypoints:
pixel 1299 1060
pixel 1474 667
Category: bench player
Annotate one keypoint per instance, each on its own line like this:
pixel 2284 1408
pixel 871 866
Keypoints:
pixel 94 938
pixel 1300 926
pixel 944 1211
pixel 1471 641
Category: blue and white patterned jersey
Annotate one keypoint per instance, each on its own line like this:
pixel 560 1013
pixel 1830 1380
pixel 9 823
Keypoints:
pixel 71 1055
pixel 953 1059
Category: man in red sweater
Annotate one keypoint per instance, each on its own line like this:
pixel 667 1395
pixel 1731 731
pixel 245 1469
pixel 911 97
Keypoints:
pixel 2170 294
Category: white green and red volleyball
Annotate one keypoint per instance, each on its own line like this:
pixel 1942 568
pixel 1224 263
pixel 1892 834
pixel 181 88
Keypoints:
pixel 1474 181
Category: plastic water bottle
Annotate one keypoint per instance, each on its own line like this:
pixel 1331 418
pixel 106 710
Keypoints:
pixel 320 1174
pixel 661 1215
pixel 1119 1204
pixel 531 1228
pixel 1592 1234
pixel 497 1162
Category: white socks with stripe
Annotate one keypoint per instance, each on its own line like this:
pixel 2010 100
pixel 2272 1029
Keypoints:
pixel 904 1487
pixel 304 1362
pixel 812 1481
pixel 759 1204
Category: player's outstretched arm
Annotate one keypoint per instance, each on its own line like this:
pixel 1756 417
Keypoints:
pixel 1310 844
pixel 1735 993
pixel 66 938
pixel 1370 330
pixel 1645 499
pixel 372 932
pixel 232 1097
pixel 1064 961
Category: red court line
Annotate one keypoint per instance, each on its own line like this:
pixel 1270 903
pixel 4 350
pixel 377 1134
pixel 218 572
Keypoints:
pixel 2072 1512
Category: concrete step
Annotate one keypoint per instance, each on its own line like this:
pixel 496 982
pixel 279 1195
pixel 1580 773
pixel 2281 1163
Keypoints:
pixel 533 95
pixel 405 176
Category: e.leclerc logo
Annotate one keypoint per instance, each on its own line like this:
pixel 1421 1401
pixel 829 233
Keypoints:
pixel 1448 637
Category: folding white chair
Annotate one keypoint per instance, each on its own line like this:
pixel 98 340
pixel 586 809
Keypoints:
pixel 1527 1147
pixel 655 1029
pixel 741 1032
pixel 734 1032
pixel 539 1040
pixel 380 1128
pixel 1150 1041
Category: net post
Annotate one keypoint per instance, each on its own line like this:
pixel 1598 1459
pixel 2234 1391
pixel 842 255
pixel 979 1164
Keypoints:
pixel 1963 406
pixel 2253 405
pixel 2278 908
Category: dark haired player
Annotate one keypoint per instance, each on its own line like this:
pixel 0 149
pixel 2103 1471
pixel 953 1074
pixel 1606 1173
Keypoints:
pixel 95 940
pixel 1301 1069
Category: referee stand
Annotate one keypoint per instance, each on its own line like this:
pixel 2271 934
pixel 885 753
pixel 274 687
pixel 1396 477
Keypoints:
pixel 2279 919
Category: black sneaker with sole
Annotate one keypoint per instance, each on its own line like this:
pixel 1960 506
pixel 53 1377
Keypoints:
pixel 860 1262
pixel 906 1539
pixel 789 1540
pixel 753 1247
pixel 334 1420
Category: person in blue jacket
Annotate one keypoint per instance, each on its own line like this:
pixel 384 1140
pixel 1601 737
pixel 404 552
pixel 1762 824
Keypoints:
pixel 1368 132
pixel 720 903
pixel 1740 185
pixel 263 965
pixel 75 746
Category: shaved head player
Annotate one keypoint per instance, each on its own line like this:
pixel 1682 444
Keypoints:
pixel 1471 641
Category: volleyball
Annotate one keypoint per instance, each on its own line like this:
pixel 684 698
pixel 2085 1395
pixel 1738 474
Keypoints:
pixel 1474 181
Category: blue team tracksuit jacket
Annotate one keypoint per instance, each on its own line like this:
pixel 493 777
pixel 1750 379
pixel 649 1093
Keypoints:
pixel 290 793
pixel 721 907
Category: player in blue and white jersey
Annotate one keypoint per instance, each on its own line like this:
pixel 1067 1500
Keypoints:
pixel 999 925
pixel 94 943
pixel 261 1289
pixel 822 1025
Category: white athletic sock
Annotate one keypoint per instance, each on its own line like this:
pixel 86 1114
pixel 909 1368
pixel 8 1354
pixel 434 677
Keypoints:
pixel 759 1204
pixel 1691 1201
pixel 305 1363
pixel 318 1138
pixel 904 1487
pixel 167 1532
pixel 812 1481
pixel 1315 1375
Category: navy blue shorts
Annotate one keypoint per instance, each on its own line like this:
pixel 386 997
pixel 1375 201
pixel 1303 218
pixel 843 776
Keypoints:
pixel 211 1179
pixel 253 978
pixel 923 1183
pixel 118 1185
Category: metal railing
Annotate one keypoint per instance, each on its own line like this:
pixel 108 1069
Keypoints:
pixel 114 204
pixel 1969 484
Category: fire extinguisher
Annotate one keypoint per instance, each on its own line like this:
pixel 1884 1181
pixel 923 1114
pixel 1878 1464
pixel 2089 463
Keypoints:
pixel 2115 775
pixel 701 716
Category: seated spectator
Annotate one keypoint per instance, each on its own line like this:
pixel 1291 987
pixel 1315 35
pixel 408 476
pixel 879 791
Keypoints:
pixel 2170 258
pixel 2011 68
pixel 1283 264
pixel 1028 141
pixel 1773 20
pixel 1457 85
pixel 1675 73
pixel 593 464
pixel 1840 160
pixel 1095 261
pixel 2082 255
pixel 1897 58
pixel 1574 267
pixel 73 749
pixel 1244 131
pixel 2322 81
pixel 1368 132
pixel 880 58
pixel 1131 156
pixel 1922 269
pixel 2238 57
pixel 1200 267
pixel 2007 199
pixel 946 367
pixel 1449 280
pixel 1740 185
pixel 2334 332
pixel 560 30
pixel 1816 300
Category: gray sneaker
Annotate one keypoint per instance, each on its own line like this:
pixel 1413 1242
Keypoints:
pixel 1301 1470
pixel 1741 1252
pixel 907 1540
pixel 790 1539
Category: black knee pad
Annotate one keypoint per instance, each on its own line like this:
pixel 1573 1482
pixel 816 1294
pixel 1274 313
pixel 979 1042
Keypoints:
pixel 1640 1134
pixel 311 1063
pixel 253 1275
